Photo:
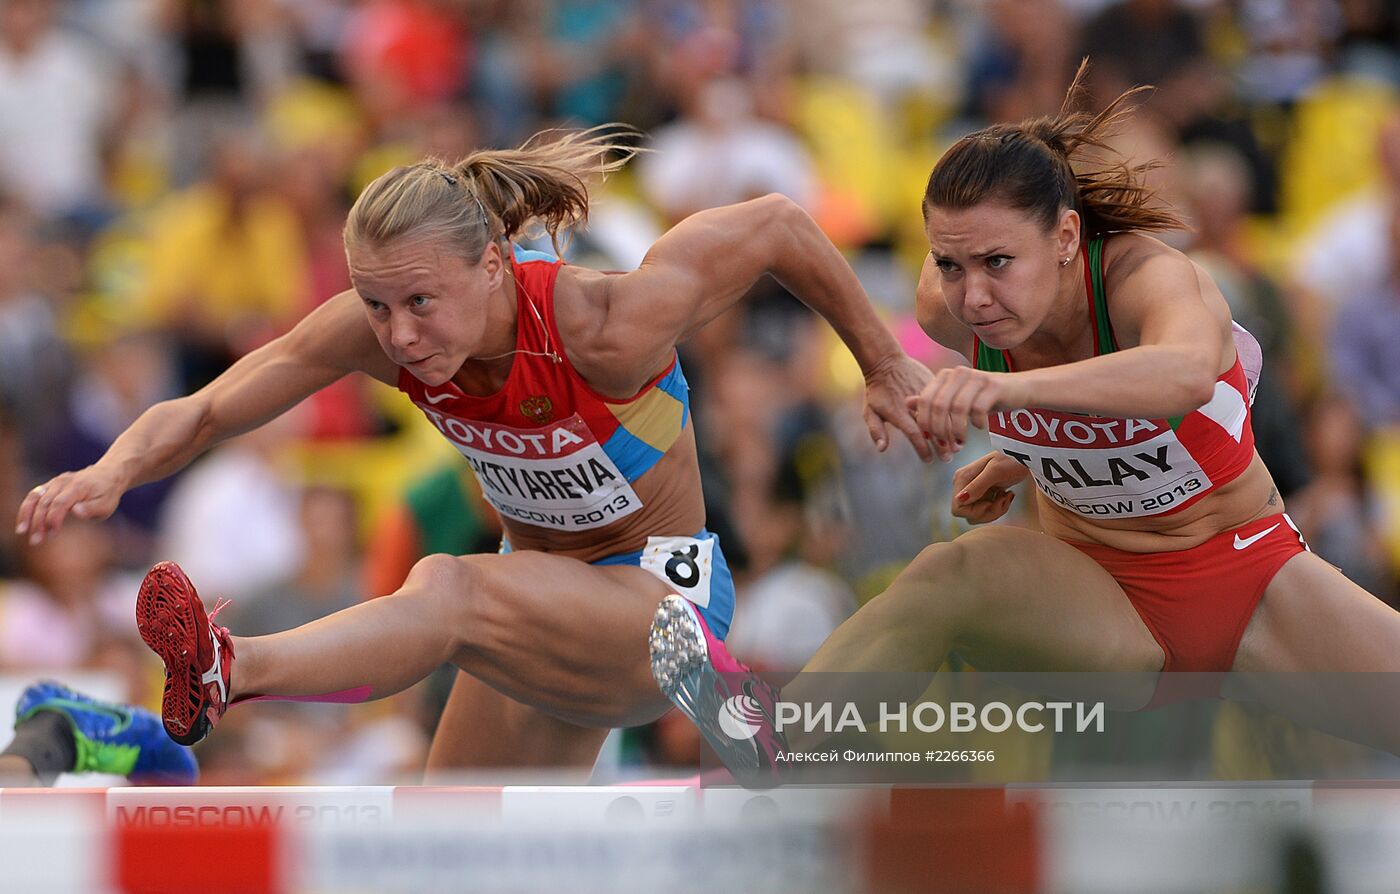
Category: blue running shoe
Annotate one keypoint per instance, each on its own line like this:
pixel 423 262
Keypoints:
pixel 120 740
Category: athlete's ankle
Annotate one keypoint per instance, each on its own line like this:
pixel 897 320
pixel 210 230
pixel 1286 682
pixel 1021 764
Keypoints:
pixel 241 668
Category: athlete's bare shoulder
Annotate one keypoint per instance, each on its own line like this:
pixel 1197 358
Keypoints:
pixel 580 305
pixel 338 334
pixel 1146 279
pixel 1124 253
pixel 933 314
pixel 594 337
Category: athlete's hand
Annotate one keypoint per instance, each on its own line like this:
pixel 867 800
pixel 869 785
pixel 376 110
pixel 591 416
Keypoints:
pixel 960 396
pixel 889 388
pixel 983 487
pixel 89 493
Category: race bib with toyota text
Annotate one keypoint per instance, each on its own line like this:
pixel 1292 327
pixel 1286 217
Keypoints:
pixel 557 476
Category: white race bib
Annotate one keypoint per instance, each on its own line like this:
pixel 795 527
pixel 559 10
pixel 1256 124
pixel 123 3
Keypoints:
pixel 1101 467
pixel 683 563
pixel 555 477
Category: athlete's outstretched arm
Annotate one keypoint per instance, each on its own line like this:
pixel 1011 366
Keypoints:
pixel 333 340
pixel 1163 305
pixel 708 261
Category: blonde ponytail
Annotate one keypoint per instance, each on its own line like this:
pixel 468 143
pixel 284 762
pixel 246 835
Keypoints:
pixel 490 194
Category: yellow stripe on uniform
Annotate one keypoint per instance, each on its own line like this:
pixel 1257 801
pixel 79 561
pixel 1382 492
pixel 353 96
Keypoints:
pixel 654 418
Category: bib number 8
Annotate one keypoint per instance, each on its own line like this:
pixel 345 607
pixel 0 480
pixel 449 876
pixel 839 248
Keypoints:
pixel 682 568
pixel 682 563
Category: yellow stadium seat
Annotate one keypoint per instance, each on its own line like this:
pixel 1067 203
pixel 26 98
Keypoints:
pixel 1333 151
pixel 847 133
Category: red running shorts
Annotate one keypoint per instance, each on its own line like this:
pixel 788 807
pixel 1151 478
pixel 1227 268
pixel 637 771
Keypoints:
pixel 1197 602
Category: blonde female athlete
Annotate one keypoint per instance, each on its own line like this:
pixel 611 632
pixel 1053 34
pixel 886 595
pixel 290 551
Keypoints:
pixel 1105 368
pixel 560 386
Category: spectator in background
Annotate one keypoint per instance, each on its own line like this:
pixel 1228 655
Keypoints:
pixel 1136 42
pixel 1216 188
pixel 1019 58
pixel 1351 253
pixel 697 40
pixel 1370 32
pixel 719 152
pixel 1337 512
pixel 792 603
pixel 230 56
pixel 1364 358
pixel 402 56
pixel 117 378
pixel 579 55
pixel 226 266
pixel 1289 42
pixel 69 598
pixel 315 176
pixel 54 106
pixel 34 360
pixel 313 183
pixel 330 574
pixel 235 518
pixel 885 48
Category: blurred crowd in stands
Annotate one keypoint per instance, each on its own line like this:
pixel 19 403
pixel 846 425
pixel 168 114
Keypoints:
pixel 174 175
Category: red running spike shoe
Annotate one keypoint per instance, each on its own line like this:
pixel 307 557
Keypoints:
pixel 198 656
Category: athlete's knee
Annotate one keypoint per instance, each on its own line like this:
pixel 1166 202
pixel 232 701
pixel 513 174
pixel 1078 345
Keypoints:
pixel 930 587
pixel 439 573
pixel 960 577
pixel 452 590
pixel 968 562
pixel 934 562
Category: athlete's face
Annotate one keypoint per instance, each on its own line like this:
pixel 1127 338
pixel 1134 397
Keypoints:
pixel 429 308
pixel 1000 268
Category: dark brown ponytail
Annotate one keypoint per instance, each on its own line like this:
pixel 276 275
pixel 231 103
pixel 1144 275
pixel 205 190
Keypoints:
pixel 1045 165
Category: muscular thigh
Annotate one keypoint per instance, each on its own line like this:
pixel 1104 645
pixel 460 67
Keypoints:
pixel 1035 603
pixel 1313 619
pixel 567 637
pixel 1321 650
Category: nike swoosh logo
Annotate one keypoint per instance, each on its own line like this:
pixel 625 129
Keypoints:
pixel 436 398
pixel 1246 542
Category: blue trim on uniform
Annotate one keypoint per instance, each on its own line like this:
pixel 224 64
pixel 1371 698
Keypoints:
pixel 632 456
pixel 523 255
pixel 720 612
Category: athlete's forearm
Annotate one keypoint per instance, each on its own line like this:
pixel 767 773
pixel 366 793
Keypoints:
pixel 162 441
pixel 1146 382
pixel 813 270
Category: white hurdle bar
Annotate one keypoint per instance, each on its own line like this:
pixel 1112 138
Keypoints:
pixel 683 838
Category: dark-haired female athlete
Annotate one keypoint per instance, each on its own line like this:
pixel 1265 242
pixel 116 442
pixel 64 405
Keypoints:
pixel 1107 370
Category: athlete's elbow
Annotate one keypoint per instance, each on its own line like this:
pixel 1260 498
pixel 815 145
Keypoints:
pixel 778 207
pixel 779 232
pixel 193 417
pixel 776 212
pixel 1199 389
